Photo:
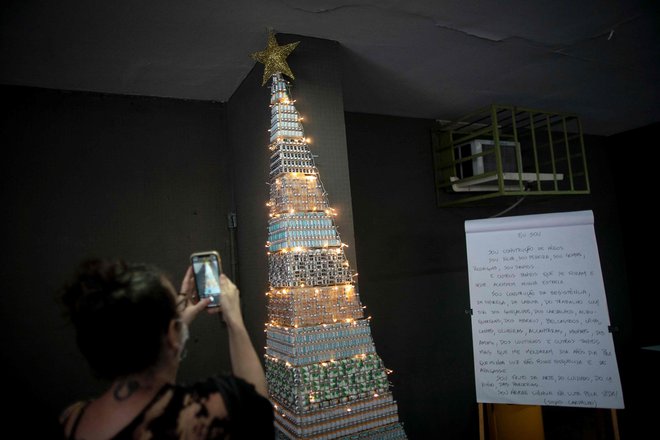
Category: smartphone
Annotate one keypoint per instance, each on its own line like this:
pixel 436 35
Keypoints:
pixel 207 269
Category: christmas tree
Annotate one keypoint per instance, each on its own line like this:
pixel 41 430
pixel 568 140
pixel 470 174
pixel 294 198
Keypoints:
pixel 325 378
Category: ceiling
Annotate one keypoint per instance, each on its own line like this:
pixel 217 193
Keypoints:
pixel 429 59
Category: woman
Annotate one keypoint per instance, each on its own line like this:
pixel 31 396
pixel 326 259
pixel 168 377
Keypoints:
pixel 131 325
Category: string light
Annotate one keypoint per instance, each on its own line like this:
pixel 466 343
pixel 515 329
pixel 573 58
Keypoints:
pixel 319 353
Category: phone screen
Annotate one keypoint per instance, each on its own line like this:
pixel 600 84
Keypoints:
pixel 207 277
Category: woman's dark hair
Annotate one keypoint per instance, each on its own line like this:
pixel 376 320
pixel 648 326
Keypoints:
pixel 121 312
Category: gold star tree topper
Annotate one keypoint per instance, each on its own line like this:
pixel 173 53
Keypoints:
pixel 274 58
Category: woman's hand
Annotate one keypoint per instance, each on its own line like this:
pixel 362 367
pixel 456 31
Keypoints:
pixel 230 304
pixel 191 305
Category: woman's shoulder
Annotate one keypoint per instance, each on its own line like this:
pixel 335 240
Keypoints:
pixel 222 406
pixel 234 391
pixel 231 401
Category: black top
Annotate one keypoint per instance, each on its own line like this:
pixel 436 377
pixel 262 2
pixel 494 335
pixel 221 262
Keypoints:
pixel 218 408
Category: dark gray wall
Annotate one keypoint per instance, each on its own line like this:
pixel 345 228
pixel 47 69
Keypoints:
pixel 96 175
pixel 413 274
pixel 248 121
pixel 635 157
pixel 148 179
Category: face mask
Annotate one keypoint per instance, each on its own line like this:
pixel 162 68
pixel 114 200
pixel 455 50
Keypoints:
pixel 185 334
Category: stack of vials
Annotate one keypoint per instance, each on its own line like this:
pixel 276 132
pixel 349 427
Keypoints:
pixel 325 379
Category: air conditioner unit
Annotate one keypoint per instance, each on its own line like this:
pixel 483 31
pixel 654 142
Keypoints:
pixel 486 163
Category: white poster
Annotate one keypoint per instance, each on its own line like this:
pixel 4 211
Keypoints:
pixel 539 313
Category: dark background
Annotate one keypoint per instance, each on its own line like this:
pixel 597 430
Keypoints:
pixel 153 179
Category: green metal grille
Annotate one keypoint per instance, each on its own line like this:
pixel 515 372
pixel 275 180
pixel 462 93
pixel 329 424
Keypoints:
pixel 509 151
